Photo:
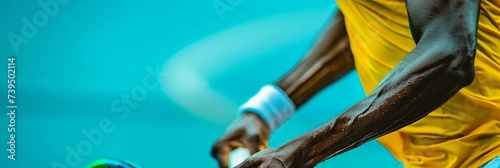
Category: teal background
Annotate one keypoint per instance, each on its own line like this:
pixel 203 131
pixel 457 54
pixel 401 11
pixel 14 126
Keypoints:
pixel 74 71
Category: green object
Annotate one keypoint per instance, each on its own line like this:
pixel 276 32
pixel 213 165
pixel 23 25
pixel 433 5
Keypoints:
pixel 112 163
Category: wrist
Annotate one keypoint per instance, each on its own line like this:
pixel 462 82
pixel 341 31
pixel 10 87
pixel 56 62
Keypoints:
pixel 293 152
pixel 272 105
pixel 257 120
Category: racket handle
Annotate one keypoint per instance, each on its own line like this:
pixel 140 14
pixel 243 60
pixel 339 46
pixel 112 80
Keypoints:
pixel 237 156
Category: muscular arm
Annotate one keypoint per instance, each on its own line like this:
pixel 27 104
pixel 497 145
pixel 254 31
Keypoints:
pixel 330 59
pixel 435 70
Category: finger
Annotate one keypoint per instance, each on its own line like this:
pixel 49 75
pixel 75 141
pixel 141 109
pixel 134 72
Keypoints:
pixel 254 144
pixel 221 152
pixel 249 163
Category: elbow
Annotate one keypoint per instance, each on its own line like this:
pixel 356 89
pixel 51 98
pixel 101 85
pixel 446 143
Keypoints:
pixel 463 75
pixel 456 53
pixel 460 69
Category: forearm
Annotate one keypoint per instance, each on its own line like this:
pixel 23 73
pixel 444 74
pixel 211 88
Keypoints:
pixel 410 91
pixel 329 60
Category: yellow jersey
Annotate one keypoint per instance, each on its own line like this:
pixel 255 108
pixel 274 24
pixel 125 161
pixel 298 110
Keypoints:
pixel 465 131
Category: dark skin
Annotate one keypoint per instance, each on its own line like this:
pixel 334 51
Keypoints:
pixel 442 63
pixel 330 59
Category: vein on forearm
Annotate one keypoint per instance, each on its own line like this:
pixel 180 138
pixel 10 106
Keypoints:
pixel 410 91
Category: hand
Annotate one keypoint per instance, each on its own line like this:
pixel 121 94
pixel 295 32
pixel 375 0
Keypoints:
pixel 270 158
pixel 247 131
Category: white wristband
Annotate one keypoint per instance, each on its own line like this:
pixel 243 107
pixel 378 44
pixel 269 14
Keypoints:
pixel 271 104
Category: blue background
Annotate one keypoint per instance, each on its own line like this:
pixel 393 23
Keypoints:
pixel 75 69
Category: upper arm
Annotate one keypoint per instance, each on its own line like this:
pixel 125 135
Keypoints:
pixel 448 28
pixel 453 20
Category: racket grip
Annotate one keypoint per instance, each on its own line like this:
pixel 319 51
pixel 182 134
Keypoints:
pixel 237 156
